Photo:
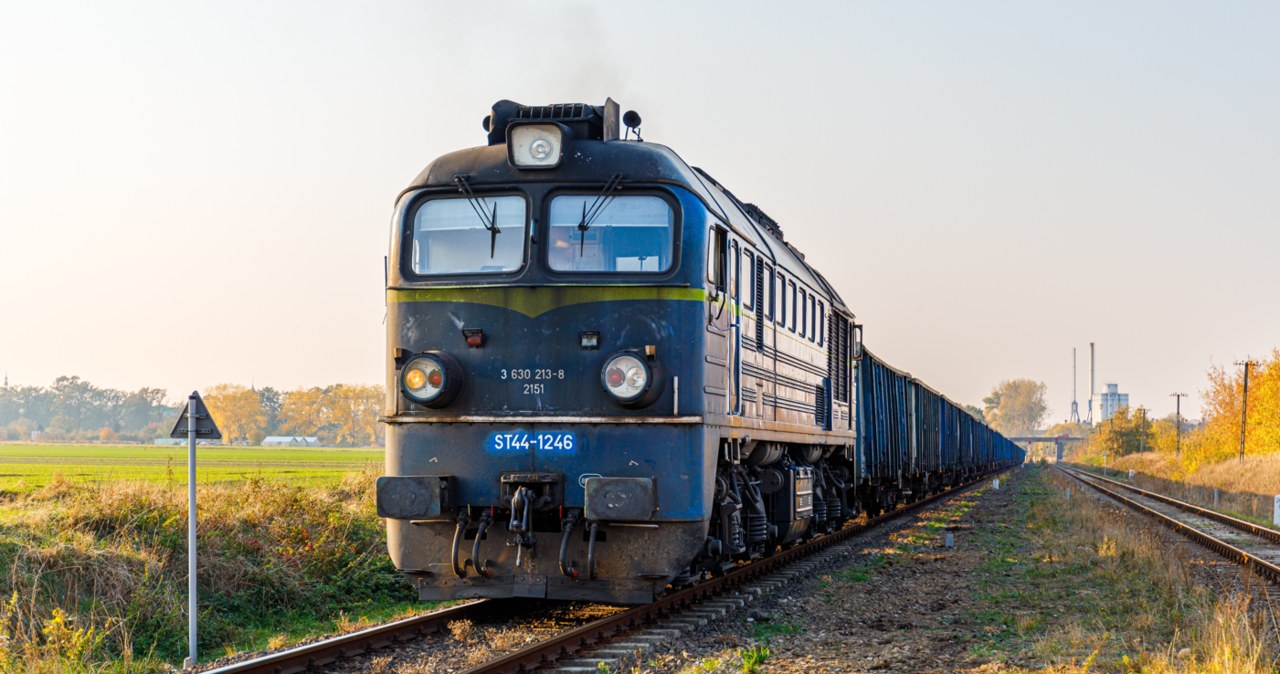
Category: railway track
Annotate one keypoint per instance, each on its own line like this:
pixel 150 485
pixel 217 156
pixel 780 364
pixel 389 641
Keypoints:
pixel 330 650
pixel 609 639
pixel 1245 543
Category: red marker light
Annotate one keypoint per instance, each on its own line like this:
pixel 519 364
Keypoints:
pixel 615 377
pixel 435 378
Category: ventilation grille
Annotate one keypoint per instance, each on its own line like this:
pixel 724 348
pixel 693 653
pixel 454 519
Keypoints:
pixel 838 357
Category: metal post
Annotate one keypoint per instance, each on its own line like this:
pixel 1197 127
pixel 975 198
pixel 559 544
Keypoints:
pixel 191 530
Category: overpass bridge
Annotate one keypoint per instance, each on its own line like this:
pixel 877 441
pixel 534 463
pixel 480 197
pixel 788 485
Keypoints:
pixel 1059 441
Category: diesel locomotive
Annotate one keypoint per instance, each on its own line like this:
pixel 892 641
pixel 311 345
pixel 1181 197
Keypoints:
pixel 607 375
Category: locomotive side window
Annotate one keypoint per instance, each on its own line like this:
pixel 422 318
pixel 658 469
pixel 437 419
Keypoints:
pixel 715 259
pixel 782 300
pixel 625 234
pixel 737 269
pixel 822 323
pixel 769 298
pixel 450 237
pixel 791 287
pixel 804 312
pixel 748 280
pixel 813 315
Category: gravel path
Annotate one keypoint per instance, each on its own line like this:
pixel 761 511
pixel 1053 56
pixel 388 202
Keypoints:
pixel 897 603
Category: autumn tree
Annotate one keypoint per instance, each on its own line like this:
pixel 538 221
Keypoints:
pixel 303 412
pixel 238 413
pixel 353 413
pixel 1126 432
pixel 272 400
pixel 342 414
pixel 1222 402
pixel 1016 407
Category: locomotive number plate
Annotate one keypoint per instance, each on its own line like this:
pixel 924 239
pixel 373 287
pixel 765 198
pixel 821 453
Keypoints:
pixel 563 442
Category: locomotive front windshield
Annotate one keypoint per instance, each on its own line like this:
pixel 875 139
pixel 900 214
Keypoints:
pixel 457 235
pixel 616 234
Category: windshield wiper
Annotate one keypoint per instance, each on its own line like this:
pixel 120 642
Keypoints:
pixel 600 203
pixel 489 220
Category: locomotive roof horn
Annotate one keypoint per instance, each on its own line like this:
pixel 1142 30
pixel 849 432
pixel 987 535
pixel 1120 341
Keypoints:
pixel 632 120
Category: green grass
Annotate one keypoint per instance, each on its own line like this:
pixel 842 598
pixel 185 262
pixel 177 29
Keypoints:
pixel 864 571
pixel 27 467
pixel 768 631
pixel 754 657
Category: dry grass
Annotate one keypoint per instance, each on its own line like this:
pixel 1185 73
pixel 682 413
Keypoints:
pixel 98 572
pixel 1247 488
pixel 1126 601
pixel 462 630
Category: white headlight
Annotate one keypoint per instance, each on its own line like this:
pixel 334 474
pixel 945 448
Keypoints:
pixel 535 145
pixel 540 149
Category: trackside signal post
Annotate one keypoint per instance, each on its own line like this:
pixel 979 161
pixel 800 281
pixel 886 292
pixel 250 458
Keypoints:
pixel 194 423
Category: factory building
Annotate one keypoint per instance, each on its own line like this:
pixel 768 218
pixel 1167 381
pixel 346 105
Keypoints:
pixel 1107 402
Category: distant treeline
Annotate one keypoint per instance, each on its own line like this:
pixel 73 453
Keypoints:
pixel 74 410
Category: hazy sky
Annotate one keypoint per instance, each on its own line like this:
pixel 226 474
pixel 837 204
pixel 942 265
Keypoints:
pixel 195 193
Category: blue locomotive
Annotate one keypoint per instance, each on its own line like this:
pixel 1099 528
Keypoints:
pixel 606 374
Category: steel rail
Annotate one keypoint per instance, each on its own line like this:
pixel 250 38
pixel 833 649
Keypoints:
pixel 545 653
pixel 1262 567
pixel 542 654
pixel 1234 522
pixel 321 653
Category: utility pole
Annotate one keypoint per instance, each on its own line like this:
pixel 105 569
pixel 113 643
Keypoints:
pixel 1142 430
pixel 1112 441
pixel 1177 451
pixel 1244 403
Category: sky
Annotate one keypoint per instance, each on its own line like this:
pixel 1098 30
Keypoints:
pixel 198 193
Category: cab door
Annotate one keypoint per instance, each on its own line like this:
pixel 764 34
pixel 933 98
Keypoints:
pixel 725 297
pixel 734 357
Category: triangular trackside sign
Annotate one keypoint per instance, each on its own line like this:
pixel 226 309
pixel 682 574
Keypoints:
pixel 205 428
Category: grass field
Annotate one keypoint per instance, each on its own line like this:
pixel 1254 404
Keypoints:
pixel 27 467
pixel 93 540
